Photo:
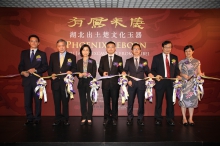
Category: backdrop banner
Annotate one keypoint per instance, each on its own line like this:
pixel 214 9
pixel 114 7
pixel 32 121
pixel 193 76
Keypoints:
pixel 95 27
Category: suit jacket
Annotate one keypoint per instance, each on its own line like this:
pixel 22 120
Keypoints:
pixel 139 73
pixel 39 63
pixel 157 67
pixel 117 67
pixel 69 64
pixel 91 68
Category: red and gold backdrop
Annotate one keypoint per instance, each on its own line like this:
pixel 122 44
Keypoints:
pixel 149 27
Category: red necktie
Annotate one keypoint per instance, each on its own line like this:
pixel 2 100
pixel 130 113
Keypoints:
pixel 168 67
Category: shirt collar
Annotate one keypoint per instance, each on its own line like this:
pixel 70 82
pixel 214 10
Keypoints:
pixel 62 54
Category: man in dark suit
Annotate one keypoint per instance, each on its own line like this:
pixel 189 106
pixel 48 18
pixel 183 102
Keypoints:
pixel 136 66
pixel 61 62
pixel 110 64
pixel 32 61
pixel 165 65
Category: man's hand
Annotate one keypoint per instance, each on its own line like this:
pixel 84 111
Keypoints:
pixel 150 75
pixel 25 73
pixel 123 73
pixel 158 77
pixel 130 83
pixel 179 77
pixel 80 75
pixel 69 72
pixel 54 76
pixel 105 73
pixel 32 70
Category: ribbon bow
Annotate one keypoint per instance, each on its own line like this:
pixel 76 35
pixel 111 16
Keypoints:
pixel 94 85
pixel 149 86
pixel 123 81
pixel 69 80
pixel 198 88
pixel 177 92
pixel 41 84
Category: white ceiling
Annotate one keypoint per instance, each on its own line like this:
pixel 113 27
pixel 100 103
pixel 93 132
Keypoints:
pixel 170 4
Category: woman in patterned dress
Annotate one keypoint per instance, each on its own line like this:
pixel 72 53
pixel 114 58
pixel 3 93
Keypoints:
pixel 188 68
pixel 87 68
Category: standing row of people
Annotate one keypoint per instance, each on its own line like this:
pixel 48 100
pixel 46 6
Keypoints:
pixel 164 65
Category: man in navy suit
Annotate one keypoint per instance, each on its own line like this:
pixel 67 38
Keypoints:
pixel 136 66
pixel 61 62
pixel 165 65
pixel 32 61
pixel 110 64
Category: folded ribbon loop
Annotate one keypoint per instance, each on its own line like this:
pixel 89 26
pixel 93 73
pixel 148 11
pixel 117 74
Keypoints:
pixel 177 91
pixel 149 92
pixel 69 80
pixel 198 87
pixel 123 81
pixel 40 89
pixel 94 85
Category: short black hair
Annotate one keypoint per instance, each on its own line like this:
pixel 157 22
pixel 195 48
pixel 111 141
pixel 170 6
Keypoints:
pixel 62 40
pixel 188 47
pixel 166 42
pixel 135 44
pixel 83 46
pixel 110 42
pixel 35 36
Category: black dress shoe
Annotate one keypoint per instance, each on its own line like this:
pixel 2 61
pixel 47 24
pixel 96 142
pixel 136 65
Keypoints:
pixel 36 122
pixel 56 123
pixel 129 122
pixel 170 122
pixel 28 123
pixel 114 122
pixel 140 122
pixel 105 122
pixel 158 122
pixel 90 123
pixel 66 123
pixel 83 122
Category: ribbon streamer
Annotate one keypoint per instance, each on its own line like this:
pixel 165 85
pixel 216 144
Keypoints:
pixel 94 85
pixel 177 91
pixel 69 80
pixel 10 76
pixel 212 78
pixel 123 81
pixel 107 77
pixel 40 89
pixel 149 92
pixel 198 87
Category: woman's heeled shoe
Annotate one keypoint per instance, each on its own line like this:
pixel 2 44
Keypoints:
pixel 192 124
pixel 185 123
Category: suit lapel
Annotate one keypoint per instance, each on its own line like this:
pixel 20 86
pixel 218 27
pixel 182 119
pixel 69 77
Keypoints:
pixel 162 62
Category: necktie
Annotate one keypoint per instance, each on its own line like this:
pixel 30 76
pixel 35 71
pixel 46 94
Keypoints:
pixel 136 63
pixel 61 60
pixel 110 59
pixel 32 55
pixel 168 67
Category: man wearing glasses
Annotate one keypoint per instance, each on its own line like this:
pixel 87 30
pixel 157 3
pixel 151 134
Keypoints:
pixel 165 65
